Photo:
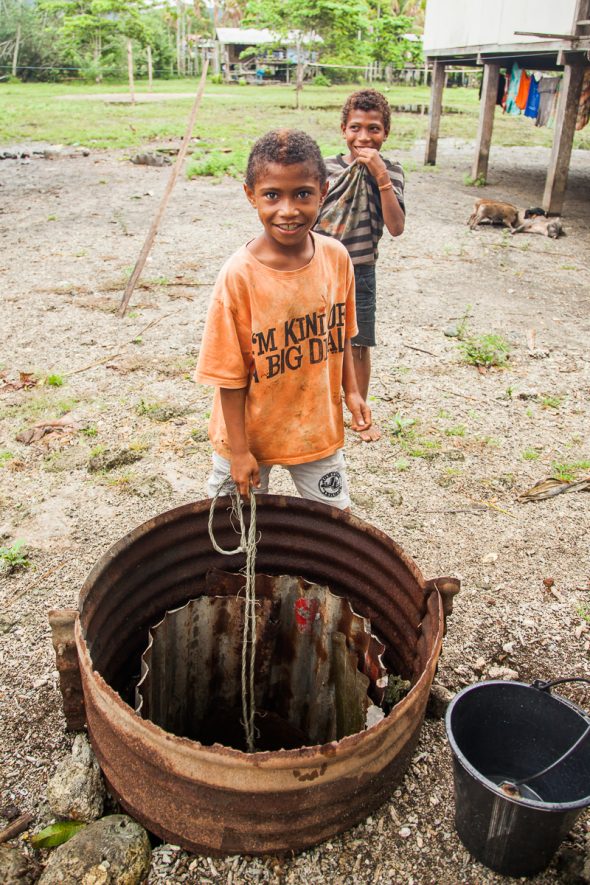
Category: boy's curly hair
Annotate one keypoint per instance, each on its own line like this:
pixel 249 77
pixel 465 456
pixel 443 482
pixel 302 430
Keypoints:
pixel 367 100
pixel 286 147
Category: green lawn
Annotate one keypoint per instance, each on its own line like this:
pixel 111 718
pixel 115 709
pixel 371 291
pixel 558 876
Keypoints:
pixel 231 117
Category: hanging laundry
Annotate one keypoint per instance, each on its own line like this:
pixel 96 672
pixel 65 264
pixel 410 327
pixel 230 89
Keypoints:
pixel 505 95
pixel 553 106
pixel 584 103
pixel 511 106
pixel 547 92
pixel 523 91
pixel 532 105
pixel 501 90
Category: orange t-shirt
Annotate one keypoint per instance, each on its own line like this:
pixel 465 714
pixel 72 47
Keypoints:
pixel 281 334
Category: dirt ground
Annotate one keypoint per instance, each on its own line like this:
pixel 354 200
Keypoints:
pixel 444 487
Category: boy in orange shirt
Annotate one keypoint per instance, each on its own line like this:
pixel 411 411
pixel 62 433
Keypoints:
pixel 276 343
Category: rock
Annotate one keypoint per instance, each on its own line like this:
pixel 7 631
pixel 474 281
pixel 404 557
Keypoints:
pixel 16 868
pixel 76 790
pixel 502 673
pixel 394 497
pixel 112 851
pixel 489 557
pixel 148 159
pixel 570 866
pixel 438 701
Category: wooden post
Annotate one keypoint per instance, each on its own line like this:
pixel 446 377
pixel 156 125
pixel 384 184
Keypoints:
pixel 565 123
pixel 151 235
pixel 130 70
pixel 15 53
pixel 436 93
pixel 150 69
pixel 487 107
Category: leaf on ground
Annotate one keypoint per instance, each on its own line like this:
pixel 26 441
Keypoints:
pixel 26 380
pixel 548 488
pixel 56 834
pixel 42 428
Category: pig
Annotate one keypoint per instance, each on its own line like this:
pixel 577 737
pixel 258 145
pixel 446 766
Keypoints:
pixel 495 212
pixel 547 227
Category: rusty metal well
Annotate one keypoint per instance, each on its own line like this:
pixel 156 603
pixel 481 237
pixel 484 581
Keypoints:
pixel 215 799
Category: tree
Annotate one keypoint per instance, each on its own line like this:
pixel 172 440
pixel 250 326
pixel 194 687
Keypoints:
pixel 90 30
pixel 389 44
pixel 303 21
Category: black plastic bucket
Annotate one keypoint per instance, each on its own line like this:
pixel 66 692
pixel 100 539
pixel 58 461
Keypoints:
pixel 503 733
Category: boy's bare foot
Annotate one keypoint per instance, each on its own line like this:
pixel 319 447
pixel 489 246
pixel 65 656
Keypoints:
pixel 372 434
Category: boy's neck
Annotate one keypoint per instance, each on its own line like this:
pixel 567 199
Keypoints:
pixel 272 255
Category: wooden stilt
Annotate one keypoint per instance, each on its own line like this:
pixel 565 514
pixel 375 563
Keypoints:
pixel 130 71
pixel 487 107
pixel 150 68
pixel 436 92
pixel 151 235
pixel 565 122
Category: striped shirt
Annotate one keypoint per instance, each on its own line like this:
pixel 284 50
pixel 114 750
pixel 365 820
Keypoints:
pixel 352 210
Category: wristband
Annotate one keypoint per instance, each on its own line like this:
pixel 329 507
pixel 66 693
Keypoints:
pixel 383 177
pixel 386 187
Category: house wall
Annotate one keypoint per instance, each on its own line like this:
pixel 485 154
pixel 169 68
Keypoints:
pixel 451 24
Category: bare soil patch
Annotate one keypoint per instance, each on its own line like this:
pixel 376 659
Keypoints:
pixel 445 487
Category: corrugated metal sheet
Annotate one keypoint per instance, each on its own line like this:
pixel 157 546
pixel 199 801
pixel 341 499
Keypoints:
pixel 217 799
pixel 316 661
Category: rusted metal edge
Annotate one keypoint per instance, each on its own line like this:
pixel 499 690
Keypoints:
pixel 62 623
pixel 448 588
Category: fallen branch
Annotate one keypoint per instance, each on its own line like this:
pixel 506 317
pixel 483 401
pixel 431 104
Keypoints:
pixel 474 399
pixel 419 349
pixel 16 827
pixel 113 356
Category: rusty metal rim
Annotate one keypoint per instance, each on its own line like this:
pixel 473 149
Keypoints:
pixel 218 753
pixel 280 501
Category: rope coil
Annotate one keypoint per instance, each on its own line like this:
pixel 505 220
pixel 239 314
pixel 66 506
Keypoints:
pixel 248 546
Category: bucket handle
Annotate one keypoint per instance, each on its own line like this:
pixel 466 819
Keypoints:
pixel 546 686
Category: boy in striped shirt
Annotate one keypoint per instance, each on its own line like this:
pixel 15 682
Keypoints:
pixel 366 194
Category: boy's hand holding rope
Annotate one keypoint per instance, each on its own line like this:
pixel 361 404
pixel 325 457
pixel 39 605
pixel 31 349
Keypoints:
pixel 248 546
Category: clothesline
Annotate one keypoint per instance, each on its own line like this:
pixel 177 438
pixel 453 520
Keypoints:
pixel 535 95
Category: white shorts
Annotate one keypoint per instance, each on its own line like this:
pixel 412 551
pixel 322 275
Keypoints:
pixel 324 480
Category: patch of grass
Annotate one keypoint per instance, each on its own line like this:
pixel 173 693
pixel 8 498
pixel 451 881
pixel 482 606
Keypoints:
pixel 54 381
pixel 401 464
pixel 13 557
pixel 468 181
pixel 530 455
pixel 217 164
pixel 550 401
pixel 90 431
pixel 457 430
pixel 584 612
pixel 568 471
pixel 488 349
pixel 442 413
pixel 404 433
pixel 5 456
pixel 97 450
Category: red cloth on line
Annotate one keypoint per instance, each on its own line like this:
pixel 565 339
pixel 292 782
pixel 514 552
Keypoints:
pixel 523 91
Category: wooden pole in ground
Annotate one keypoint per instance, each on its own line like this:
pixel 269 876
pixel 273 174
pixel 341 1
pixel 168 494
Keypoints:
pixel 130 70
pixel 150 70
pixel 563 138
pixel 436 93
pixel 487 109
pixel 139 265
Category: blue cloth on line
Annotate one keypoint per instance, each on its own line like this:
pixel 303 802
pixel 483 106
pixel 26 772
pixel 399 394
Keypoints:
pixel 532 105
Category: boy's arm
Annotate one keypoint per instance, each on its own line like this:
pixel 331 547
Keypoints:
pixel 243 465
pixel 393 215
pixel 358 408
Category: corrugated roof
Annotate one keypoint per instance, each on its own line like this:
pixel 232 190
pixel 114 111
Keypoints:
pixel 259 36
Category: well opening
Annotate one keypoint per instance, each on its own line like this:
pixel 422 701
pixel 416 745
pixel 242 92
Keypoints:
pixel 318 673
